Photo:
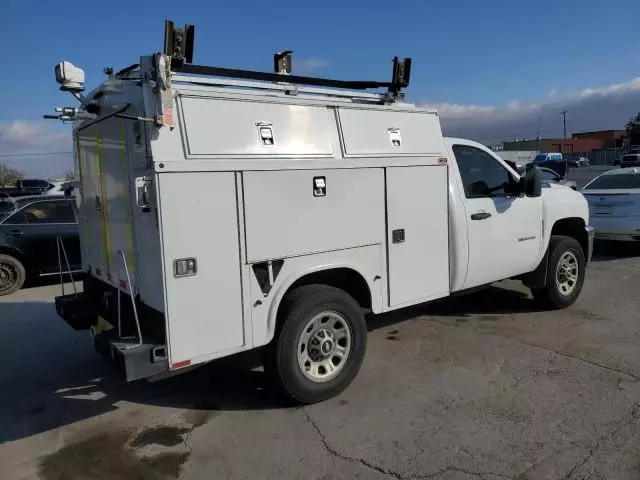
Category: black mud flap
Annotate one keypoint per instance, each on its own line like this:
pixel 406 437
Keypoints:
pixel 77 310
pixel 537 278
pixel 135 361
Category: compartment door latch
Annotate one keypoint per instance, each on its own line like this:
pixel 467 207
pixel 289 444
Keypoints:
pixel 319 186
pixel 143 192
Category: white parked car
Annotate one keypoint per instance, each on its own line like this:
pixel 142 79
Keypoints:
pixel 58 188
pixel 614 204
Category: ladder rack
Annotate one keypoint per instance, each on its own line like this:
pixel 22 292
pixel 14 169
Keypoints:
pixel 282 86
pixel 179 47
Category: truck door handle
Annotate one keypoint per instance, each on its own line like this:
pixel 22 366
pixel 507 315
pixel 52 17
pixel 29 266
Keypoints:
pixel 15 233
pixel 480 216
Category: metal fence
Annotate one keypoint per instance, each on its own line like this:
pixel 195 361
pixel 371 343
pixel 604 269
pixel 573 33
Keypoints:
pixel 606 156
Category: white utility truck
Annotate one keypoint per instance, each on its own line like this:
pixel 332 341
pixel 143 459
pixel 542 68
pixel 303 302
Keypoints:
pixel 224 210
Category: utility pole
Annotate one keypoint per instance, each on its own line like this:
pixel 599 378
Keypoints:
pixel 564 122
pixel 538 137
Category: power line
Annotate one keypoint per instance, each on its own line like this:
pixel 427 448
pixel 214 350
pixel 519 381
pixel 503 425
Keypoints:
pixel 34 154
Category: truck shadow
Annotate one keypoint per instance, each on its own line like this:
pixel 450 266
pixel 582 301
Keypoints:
pixel 57 379
pixel 493 300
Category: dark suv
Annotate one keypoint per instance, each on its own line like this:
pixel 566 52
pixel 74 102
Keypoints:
pixel 631 159
pixel 29 229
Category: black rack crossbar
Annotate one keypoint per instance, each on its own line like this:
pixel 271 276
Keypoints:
pixel 277 77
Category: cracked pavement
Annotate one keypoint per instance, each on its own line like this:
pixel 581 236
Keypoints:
pixel 477 387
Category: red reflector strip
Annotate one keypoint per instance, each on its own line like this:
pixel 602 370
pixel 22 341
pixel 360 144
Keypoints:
pixel 123 284
pixel 442 161
pixel 184 363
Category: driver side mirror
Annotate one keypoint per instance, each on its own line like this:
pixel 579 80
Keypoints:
pixel 532 181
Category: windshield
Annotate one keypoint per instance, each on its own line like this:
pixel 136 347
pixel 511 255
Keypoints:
pixel 540 158
pixel 622 181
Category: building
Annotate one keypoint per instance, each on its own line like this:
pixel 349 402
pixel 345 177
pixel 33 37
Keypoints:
pixel 568 146
pixel 578 143
pixel 610 138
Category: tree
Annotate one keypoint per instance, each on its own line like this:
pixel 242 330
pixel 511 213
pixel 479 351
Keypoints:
pixel 9 176
pixel 633 130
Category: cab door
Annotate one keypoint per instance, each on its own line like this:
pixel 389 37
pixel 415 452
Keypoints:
pixel 504 229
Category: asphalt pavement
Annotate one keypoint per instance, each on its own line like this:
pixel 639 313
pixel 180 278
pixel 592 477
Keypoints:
pixel 476 387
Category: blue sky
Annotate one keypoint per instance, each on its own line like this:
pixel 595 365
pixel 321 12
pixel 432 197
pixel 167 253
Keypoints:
pixel 493 53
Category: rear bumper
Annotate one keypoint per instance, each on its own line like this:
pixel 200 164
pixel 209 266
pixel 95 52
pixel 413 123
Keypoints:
pixel 590 238
pixel 134 359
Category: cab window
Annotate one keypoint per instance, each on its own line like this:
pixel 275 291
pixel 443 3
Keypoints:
pixel 482 175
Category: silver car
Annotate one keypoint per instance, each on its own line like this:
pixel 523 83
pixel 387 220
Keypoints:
pixel 614 204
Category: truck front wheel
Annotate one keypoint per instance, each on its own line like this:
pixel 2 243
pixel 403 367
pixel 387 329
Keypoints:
pixel 565 273
pixel 321 343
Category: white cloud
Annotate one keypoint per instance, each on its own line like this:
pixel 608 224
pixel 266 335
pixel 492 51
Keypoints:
pixel 552 93
pixel 309 65
pixel 600 108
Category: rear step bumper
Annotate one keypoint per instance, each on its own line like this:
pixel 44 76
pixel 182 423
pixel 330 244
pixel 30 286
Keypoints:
pixel 134 360
pixel 77 310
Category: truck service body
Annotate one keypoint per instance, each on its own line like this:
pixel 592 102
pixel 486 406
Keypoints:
pixel 220 215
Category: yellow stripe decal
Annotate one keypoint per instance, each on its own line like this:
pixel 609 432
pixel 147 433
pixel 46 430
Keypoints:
pixel 103 205
pixel 83 217
pixel 127 201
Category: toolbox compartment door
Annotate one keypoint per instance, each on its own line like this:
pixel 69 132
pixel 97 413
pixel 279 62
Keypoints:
pixel 233 128
pixel 418 234
pixel 199 221
pixel 285 216
pixel 375 133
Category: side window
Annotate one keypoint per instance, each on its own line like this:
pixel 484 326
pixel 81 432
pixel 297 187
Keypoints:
pixel 49 212
pixel 17 218
pixel 482 175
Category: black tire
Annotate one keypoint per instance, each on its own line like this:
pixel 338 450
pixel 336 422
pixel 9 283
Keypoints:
pixel 12 275
pixel 551 295
pixel 297 309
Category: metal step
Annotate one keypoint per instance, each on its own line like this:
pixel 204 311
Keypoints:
pixel 134 360
pixel 78 310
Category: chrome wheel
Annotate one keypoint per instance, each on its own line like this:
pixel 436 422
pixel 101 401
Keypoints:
pixel 324 346
pixel 8 277
pixel 567 273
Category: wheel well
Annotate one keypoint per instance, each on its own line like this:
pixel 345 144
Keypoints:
pixel 15 254
pixel 572 227
pixel 343 278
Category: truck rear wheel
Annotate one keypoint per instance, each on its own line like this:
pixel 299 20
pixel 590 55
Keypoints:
pixel 565 273
pixel 321 344
pixel 12 275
